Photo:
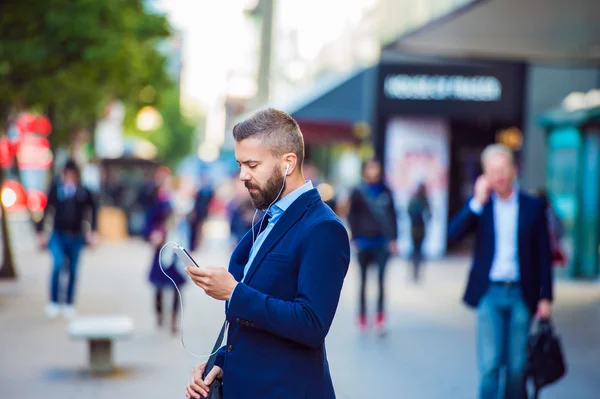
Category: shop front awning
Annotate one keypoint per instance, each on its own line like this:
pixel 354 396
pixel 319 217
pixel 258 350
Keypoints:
pixel 348 99
pixel 532 30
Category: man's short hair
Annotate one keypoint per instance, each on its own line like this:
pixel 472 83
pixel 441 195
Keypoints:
pixel 364 164
pixel 495 149
pixel 71 166
pixel 276 130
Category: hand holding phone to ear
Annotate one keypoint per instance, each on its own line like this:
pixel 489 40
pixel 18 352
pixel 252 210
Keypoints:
pixel 482 190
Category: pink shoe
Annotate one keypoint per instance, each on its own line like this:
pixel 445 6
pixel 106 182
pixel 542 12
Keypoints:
pixel 363 324
pixel 380 323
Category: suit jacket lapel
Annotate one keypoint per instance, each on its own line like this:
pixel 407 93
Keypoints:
pixel 488 214
pixel 286 221
pixel 520 223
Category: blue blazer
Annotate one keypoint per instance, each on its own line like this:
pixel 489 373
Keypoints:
pixel 280 315
pixel 533 248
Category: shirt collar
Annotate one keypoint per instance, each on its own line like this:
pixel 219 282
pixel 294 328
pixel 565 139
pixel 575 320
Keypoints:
pixel 284 203
pixel 511 199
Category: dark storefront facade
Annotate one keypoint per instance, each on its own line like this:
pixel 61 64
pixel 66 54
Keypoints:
pixel 427 120
pixel 432 120
pixel 562 58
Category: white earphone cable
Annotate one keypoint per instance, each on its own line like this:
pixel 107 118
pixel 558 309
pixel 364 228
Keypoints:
pixel 177 288
pixel 269 207
pixel 180 302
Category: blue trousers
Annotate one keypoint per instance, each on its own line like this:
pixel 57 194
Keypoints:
pixel 503 322
pixel 65 249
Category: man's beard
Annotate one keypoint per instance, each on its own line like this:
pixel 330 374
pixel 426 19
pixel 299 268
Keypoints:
pixel 262 198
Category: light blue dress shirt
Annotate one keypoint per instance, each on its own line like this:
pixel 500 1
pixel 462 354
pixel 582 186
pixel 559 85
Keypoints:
pixel 505 265
pixel 276 210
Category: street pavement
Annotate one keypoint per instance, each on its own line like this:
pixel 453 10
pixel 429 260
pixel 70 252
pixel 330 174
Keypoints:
pixel 428 353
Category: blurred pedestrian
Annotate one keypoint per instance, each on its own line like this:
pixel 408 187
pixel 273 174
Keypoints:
pixel 73 205
pixel 167 221
pixel 326 190
pixel 556 230
pixel 510 280
pixel 419 213
pixel 147 193
pixel 199 214
pixel 373 223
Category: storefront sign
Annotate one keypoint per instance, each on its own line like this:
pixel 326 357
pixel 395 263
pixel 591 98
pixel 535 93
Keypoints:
pixel 452 90
pixel 442 87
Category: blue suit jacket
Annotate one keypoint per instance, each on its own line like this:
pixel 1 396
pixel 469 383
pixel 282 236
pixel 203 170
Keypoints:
pixel 280 315
pixel 533 248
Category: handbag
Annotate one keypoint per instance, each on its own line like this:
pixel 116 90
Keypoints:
pixel 545 362
pixel 216 387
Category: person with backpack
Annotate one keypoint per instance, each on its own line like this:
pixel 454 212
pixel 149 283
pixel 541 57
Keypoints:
pixel 556 230
pixel 373 223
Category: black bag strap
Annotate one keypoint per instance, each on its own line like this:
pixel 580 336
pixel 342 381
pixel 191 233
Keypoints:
pixel 211 360
pixel 377 213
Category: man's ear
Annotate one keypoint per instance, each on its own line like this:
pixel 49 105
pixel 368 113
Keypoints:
pixel 290 162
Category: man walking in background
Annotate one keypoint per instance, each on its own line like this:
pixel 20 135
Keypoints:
pixel 72 204
pixel 510 280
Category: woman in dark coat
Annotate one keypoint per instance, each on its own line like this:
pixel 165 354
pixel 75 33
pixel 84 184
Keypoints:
pixel 156 233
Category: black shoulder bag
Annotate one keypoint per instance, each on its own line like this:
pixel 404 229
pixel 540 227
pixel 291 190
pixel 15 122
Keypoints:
pixel 545 363
pixel 216 387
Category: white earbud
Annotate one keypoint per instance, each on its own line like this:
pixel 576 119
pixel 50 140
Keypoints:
pixel 287 168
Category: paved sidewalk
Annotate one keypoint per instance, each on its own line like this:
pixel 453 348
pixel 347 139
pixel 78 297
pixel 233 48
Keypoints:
pixel 428 353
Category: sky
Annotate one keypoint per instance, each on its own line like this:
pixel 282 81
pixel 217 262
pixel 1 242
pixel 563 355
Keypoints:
pixel 216 35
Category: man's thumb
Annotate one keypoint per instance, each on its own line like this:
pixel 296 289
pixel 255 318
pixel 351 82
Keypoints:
pixel 214 372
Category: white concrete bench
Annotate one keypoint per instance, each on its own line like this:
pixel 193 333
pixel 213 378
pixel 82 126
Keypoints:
pixel 100 331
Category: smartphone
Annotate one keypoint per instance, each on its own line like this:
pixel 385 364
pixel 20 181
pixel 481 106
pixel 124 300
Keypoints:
pixel 184 256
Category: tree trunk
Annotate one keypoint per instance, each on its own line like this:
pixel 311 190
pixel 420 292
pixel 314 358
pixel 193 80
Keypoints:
pixel 7 268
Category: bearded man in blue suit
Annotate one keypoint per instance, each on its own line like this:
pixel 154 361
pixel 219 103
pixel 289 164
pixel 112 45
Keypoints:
pixel 285 276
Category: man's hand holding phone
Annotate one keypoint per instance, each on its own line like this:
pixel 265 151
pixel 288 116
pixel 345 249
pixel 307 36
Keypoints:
pixel 216 281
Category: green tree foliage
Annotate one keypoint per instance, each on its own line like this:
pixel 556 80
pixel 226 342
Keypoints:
pixel 68 58
pixel 174 138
